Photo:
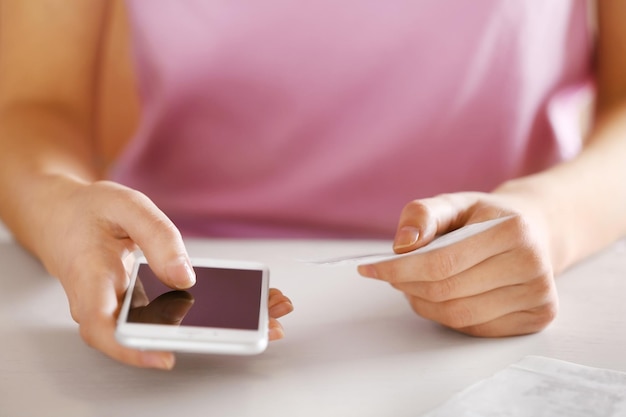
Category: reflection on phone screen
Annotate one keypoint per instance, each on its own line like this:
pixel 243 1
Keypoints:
pixel 222 298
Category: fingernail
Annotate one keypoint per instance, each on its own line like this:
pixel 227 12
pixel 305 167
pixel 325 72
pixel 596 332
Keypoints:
pixel 159 361
pixel 181 273
pixel 406 237
pixel 367 271
pixel 281 309
pixel 276 333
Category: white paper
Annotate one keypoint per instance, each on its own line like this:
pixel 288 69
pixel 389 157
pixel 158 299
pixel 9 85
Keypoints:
pixel 443 240
pixel 541 387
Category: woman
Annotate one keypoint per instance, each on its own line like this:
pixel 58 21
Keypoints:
pixel 322 119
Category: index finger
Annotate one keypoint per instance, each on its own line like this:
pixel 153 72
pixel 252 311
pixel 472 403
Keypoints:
pixel 444 262
pixel 139 219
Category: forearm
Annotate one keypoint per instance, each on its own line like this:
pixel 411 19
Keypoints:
pixel 43 154
pixel 583 200
pixel 49 54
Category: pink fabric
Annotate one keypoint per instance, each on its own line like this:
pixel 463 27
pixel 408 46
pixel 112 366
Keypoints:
pixel 325 117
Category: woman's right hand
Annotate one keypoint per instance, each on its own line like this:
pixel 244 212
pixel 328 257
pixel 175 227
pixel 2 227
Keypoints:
pixel 90 230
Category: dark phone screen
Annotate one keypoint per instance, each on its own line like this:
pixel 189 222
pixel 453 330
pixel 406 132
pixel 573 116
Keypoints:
pixel 223 298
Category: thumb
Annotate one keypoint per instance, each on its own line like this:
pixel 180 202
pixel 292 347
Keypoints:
pixel 158 238
pixel 423 220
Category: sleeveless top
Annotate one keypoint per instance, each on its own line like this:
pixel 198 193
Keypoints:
pixel 323 118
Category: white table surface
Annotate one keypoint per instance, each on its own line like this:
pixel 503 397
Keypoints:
pixel 353 346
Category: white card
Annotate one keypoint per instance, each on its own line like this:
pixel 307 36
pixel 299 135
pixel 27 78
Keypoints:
pixel 439 242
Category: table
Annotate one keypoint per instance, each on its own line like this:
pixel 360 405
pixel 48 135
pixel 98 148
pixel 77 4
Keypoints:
pixel 353 346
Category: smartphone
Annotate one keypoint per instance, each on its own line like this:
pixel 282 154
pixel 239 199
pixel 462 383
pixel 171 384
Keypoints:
pixel 225 312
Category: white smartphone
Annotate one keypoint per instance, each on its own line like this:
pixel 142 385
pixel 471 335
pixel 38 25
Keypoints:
pixel 225 312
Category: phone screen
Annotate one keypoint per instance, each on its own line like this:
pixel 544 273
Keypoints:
pixel 222 298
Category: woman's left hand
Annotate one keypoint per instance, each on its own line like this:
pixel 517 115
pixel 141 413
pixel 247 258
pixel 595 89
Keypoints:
pixel 499 282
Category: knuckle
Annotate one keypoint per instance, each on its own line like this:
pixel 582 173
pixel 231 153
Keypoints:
pixel 91 326
pixel 393 272
pixel 440 264
pixel 393 276
pixel 416 305
pixel 418 208
pixel 457 315
pixel 115 193
pixel 549 312
pixel 518 231
pixel 543 289
pixel 524 235
pixel 87 334
pixel 158 224
pixel 148 213
pixel 537 263
pixel 164 229
pixel 441 290
pixel 544 315
pixel 518 221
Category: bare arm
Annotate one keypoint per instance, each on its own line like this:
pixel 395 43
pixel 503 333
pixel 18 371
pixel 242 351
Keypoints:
pixel 586 198
pixel 81 229
pixel 501 282
pixel 48 63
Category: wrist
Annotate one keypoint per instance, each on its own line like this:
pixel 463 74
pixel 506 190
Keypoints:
pixel 548 213
pixel 39 208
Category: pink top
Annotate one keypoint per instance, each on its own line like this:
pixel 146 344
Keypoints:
pixel 324 118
